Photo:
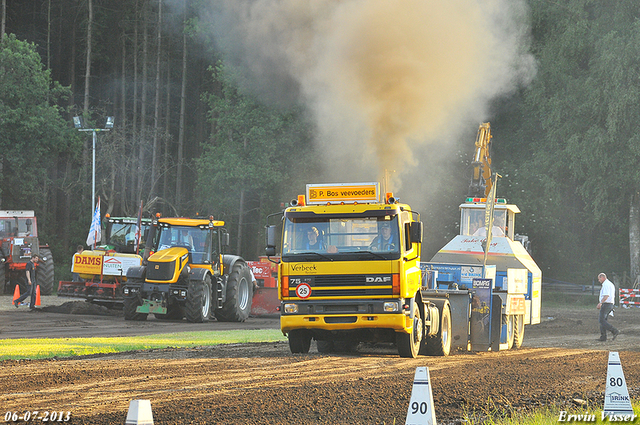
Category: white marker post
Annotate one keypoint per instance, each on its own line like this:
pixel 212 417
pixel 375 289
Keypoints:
pixel 617 404
pixel 421 410
pixel 139 413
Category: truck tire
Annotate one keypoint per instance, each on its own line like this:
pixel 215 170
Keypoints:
pixel 440 344
pixel 510 322
pixel 45 272
pixel 409 344
pixel 197 308
pixel 518 330
pixel 299 341
pixel 237 305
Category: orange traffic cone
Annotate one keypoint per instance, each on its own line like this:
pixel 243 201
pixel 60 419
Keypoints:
pixel 16 293
pixel 37 295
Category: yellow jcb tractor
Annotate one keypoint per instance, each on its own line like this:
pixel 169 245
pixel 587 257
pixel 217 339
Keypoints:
pixel 187 274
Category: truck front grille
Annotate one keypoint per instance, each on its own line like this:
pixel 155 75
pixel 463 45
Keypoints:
pixel 347 286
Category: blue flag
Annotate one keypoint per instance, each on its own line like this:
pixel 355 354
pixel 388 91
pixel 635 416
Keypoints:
pixel 95 232
pixel 139 229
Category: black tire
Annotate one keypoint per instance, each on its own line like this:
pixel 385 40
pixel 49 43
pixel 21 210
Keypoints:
pixel 45 272
pixel 324 347
pixel 440 344
pixel 518 330
pixel 6 285
pixel 237 305
pixel 130 304
pixel 299 341
pixel 409 344
pixel 197 308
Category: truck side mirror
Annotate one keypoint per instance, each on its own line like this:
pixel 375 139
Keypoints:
pixel 225 239
pixel 271 241
pixel 415 232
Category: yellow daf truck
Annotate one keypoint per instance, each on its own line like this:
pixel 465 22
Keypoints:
pixel 350 272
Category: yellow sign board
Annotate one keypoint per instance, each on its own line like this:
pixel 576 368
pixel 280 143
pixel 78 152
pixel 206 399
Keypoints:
pixel 342 192
pixel 87 264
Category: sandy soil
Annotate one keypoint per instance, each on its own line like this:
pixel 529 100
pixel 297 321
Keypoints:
pixel 561 363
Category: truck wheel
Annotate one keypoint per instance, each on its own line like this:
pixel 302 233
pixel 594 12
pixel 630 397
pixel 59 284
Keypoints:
pixel 45 272
pixel 518 330
pixel 440 344
pixel 197 308
pixel 237 305
pixel 130 304
pixel 299 341
pixel 324 347
pixel 409 344
pixel 510 319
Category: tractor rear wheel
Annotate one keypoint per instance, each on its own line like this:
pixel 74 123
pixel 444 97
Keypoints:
pixel 237 305
pixel 197 308
pixel 6 285
pixel 45 272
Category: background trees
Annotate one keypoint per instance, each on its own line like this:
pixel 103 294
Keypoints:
pixel 188 139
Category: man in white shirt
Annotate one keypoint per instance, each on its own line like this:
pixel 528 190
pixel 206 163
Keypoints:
pixel 607 297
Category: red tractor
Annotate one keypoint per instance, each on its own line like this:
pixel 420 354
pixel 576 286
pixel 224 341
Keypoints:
pixel 18 240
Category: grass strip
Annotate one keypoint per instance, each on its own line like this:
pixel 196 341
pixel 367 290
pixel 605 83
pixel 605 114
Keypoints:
pixel 544 415
pixel 43 348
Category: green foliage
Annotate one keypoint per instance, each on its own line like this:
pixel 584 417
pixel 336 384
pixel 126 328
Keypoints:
pixel 32 130
pixel 572 144
pixel 254 148
pixel 44 348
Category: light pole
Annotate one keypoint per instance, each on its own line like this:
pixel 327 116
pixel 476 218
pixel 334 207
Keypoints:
pixel 78 123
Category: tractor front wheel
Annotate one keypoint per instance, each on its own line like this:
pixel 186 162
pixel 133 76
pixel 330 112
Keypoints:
pixel 198 306
pixel 130 304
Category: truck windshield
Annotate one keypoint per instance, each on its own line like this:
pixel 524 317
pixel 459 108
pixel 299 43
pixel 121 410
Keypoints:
pixel 197 240
pixel 124 234
pixel 472 222
pixel 317 239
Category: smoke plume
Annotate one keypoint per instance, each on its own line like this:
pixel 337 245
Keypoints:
pixel 387 81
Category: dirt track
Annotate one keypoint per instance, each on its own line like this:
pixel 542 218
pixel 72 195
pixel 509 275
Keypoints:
pixel 265 384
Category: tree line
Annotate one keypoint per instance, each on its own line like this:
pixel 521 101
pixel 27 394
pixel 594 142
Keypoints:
pixel 188 140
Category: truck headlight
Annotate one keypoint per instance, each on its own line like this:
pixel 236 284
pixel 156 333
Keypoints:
pixel 291 308
pixel 390 307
